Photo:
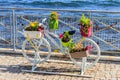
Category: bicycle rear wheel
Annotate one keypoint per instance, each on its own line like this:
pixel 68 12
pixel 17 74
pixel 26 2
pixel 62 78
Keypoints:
pixel 94 53
pixel 33 50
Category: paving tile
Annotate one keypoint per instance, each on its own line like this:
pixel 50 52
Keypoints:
pixel 10 69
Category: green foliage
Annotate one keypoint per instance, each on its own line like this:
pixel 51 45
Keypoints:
pixel 53 21
pixel 84 21
pixel 71 47
pixel 32 26
pixel 53 24
pixel 67 42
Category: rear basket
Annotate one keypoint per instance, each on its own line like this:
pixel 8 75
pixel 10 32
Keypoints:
pixel 79 54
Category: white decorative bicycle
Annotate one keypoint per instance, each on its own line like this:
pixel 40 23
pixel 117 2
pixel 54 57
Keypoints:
pixel 38 44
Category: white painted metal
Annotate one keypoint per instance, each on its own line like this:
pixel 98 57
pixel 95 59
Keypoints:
pixel 32 34
pixel 93 14
pixel 96 57
pixel 57 73
pixel 37 59
pixel 36 52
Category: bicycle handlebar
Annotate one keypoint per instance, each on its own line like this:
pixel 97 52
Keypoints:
pixel 43 20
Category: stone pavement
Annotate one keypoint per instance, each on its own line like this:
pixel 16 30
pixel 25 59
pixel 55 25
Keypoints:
pixel 11 66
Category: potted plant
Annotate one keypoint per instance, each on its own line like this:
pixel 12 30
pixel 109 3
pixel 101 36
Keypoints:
pixel 86 29
pixel 86 26
pixel 65 39
pixel 34 30
pixel 75 52
pixel 53 21
pixel 81 52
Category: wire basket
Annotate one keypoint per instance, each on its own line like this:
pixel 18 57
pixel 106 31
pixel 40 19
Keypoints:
pixel 33 34
pixel 80 54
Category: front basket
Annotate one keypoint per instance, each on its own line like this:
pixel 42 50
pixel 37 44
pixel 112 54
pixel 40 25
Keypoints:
pixel 33 34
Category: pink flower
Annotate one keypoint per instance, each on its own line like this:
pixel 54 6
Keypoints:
pixel 60 35
pixel 88 48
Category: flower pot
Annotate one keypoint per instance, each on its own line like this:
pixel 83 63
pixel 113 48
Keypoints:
pixel 86 31
pixel 53 24
pixel 80 54
pixel 32 34
pixel 66 44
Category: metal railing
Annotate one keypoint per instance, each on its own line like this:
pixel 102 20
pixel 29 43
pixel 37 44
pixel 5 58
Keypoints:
pixel 106 27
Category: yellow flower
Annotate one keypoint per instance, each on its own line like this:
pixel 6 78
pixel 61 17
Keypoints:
pixel 32 24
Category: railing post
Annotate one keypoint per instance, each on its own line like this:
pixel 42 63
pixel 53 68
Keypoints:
pixel 89 13
pixel 11 30
pixel 13 24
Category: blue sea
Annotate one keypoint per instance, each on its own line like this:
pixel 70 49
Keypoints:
pixel 109 5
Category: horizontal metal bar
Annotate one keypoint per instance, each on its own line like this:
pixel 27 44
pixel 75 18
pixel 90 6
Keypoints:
pixel 110 58
pixel 65 10
pixel 9 50
pixel 2 12
pixel 60 61
pixel 19 52
pixel 57 73
pixel 110 52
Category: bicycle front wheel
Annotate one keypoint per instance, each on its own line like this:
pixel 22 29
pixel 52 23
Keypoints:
pixel 94 52
pixel 35 49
